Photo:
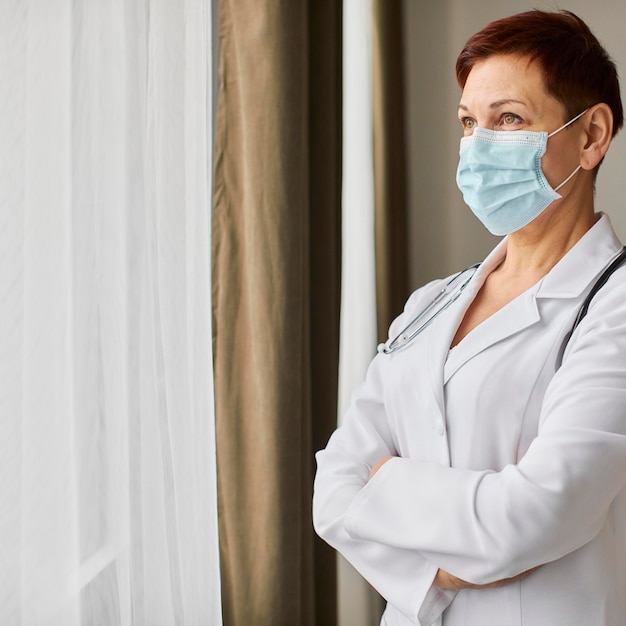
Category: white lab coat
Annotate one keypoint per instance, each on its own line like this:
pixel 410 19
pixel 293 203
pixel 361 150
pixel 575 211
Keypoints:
pixel 504 461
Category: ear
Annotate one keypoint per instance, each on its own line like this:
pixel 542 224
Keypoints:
pixel 599 132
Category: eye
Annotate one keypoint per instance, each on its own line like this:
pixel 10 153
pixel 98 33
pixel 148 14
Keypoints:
pixel 508 119
pixel 468 123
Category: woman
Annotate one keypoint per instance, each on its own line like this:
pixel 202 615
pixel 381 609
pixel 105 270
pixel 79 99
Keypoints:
pixel 479 475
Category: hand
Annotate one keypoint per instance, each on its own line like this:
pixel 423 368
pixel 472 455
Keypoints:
pixel 378 465
pixel 445 580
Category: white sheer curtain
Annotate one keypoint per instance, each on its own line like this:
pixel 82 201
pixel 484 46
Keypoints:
pixel 359 605
pixel 107 460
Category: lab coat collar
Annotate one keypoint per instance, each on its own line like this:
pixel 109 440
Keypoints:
pixel 583 263
pixel 573 273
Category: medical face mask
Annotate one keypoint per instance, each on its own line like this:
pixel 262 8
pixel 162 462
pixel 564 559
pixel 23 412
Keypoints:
pixel 501 179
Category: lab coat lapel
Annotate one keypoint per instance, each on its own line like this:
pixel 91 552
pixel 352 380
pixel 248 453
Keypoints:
pixel 519 314
pixel 516 316
pixel 443 329
pixel 440 340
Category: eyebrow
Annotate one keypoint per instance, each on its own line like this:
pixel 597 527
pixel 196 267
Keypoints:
pixel 497 104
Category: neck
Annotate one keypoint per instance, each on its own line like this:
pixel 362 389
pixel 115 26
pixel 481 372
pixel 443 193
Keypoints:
pixel 535 249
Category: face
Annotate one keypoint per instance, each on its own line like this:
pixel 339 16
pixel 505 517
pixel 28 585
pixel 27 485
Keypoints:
pixel 507 92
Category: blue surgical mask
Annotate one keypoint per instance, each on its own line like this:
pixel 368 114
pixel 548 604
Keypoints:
pixel 501 178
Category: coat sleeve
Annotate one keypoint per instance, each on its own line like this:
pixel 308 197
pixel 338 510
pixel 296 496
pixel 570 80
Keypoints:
pixel 403 576
pixel 484 526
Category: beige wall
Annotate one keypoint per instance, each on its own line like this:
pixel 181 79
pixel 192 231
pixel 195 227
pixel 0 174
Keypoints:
pixel 444 234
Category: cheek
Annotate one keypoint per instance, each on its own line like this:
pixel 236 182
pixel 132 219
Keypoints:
pixel 559 161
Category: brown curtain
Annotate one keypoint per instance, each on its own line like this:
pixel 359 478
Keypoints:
pixel 276 264
pixel 389 163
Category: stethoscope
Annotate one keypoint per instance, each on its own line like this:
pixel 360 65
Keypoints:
pixel 454 289
pixel 418 324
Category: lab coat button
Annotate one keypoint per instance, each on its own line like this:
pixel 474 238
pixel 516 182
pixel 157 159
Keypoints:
pixel 439 427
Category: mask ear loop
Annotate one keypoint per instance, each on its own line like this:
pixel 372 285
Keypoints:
pixel 568 178
pixel 558 130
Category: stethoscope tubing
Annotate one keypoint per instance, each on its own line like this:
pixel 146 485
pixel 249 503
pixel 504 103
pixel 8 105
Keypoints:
pixel 407 335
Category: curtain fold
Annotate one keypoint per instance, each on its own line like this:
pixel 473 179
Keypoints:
pixel 275 302
pixel 325 174
pixel 390 185
pixel 358 602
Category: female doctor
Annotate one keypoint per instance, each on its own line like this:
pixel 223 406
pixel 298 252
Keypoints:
pixel 479 476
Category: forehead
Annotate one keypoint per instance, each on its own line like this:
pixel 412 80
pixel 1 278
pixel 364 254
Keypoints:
pixel 507 77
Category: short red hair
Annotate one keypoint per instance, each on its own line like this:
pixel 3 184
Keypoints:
pixel 578 71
